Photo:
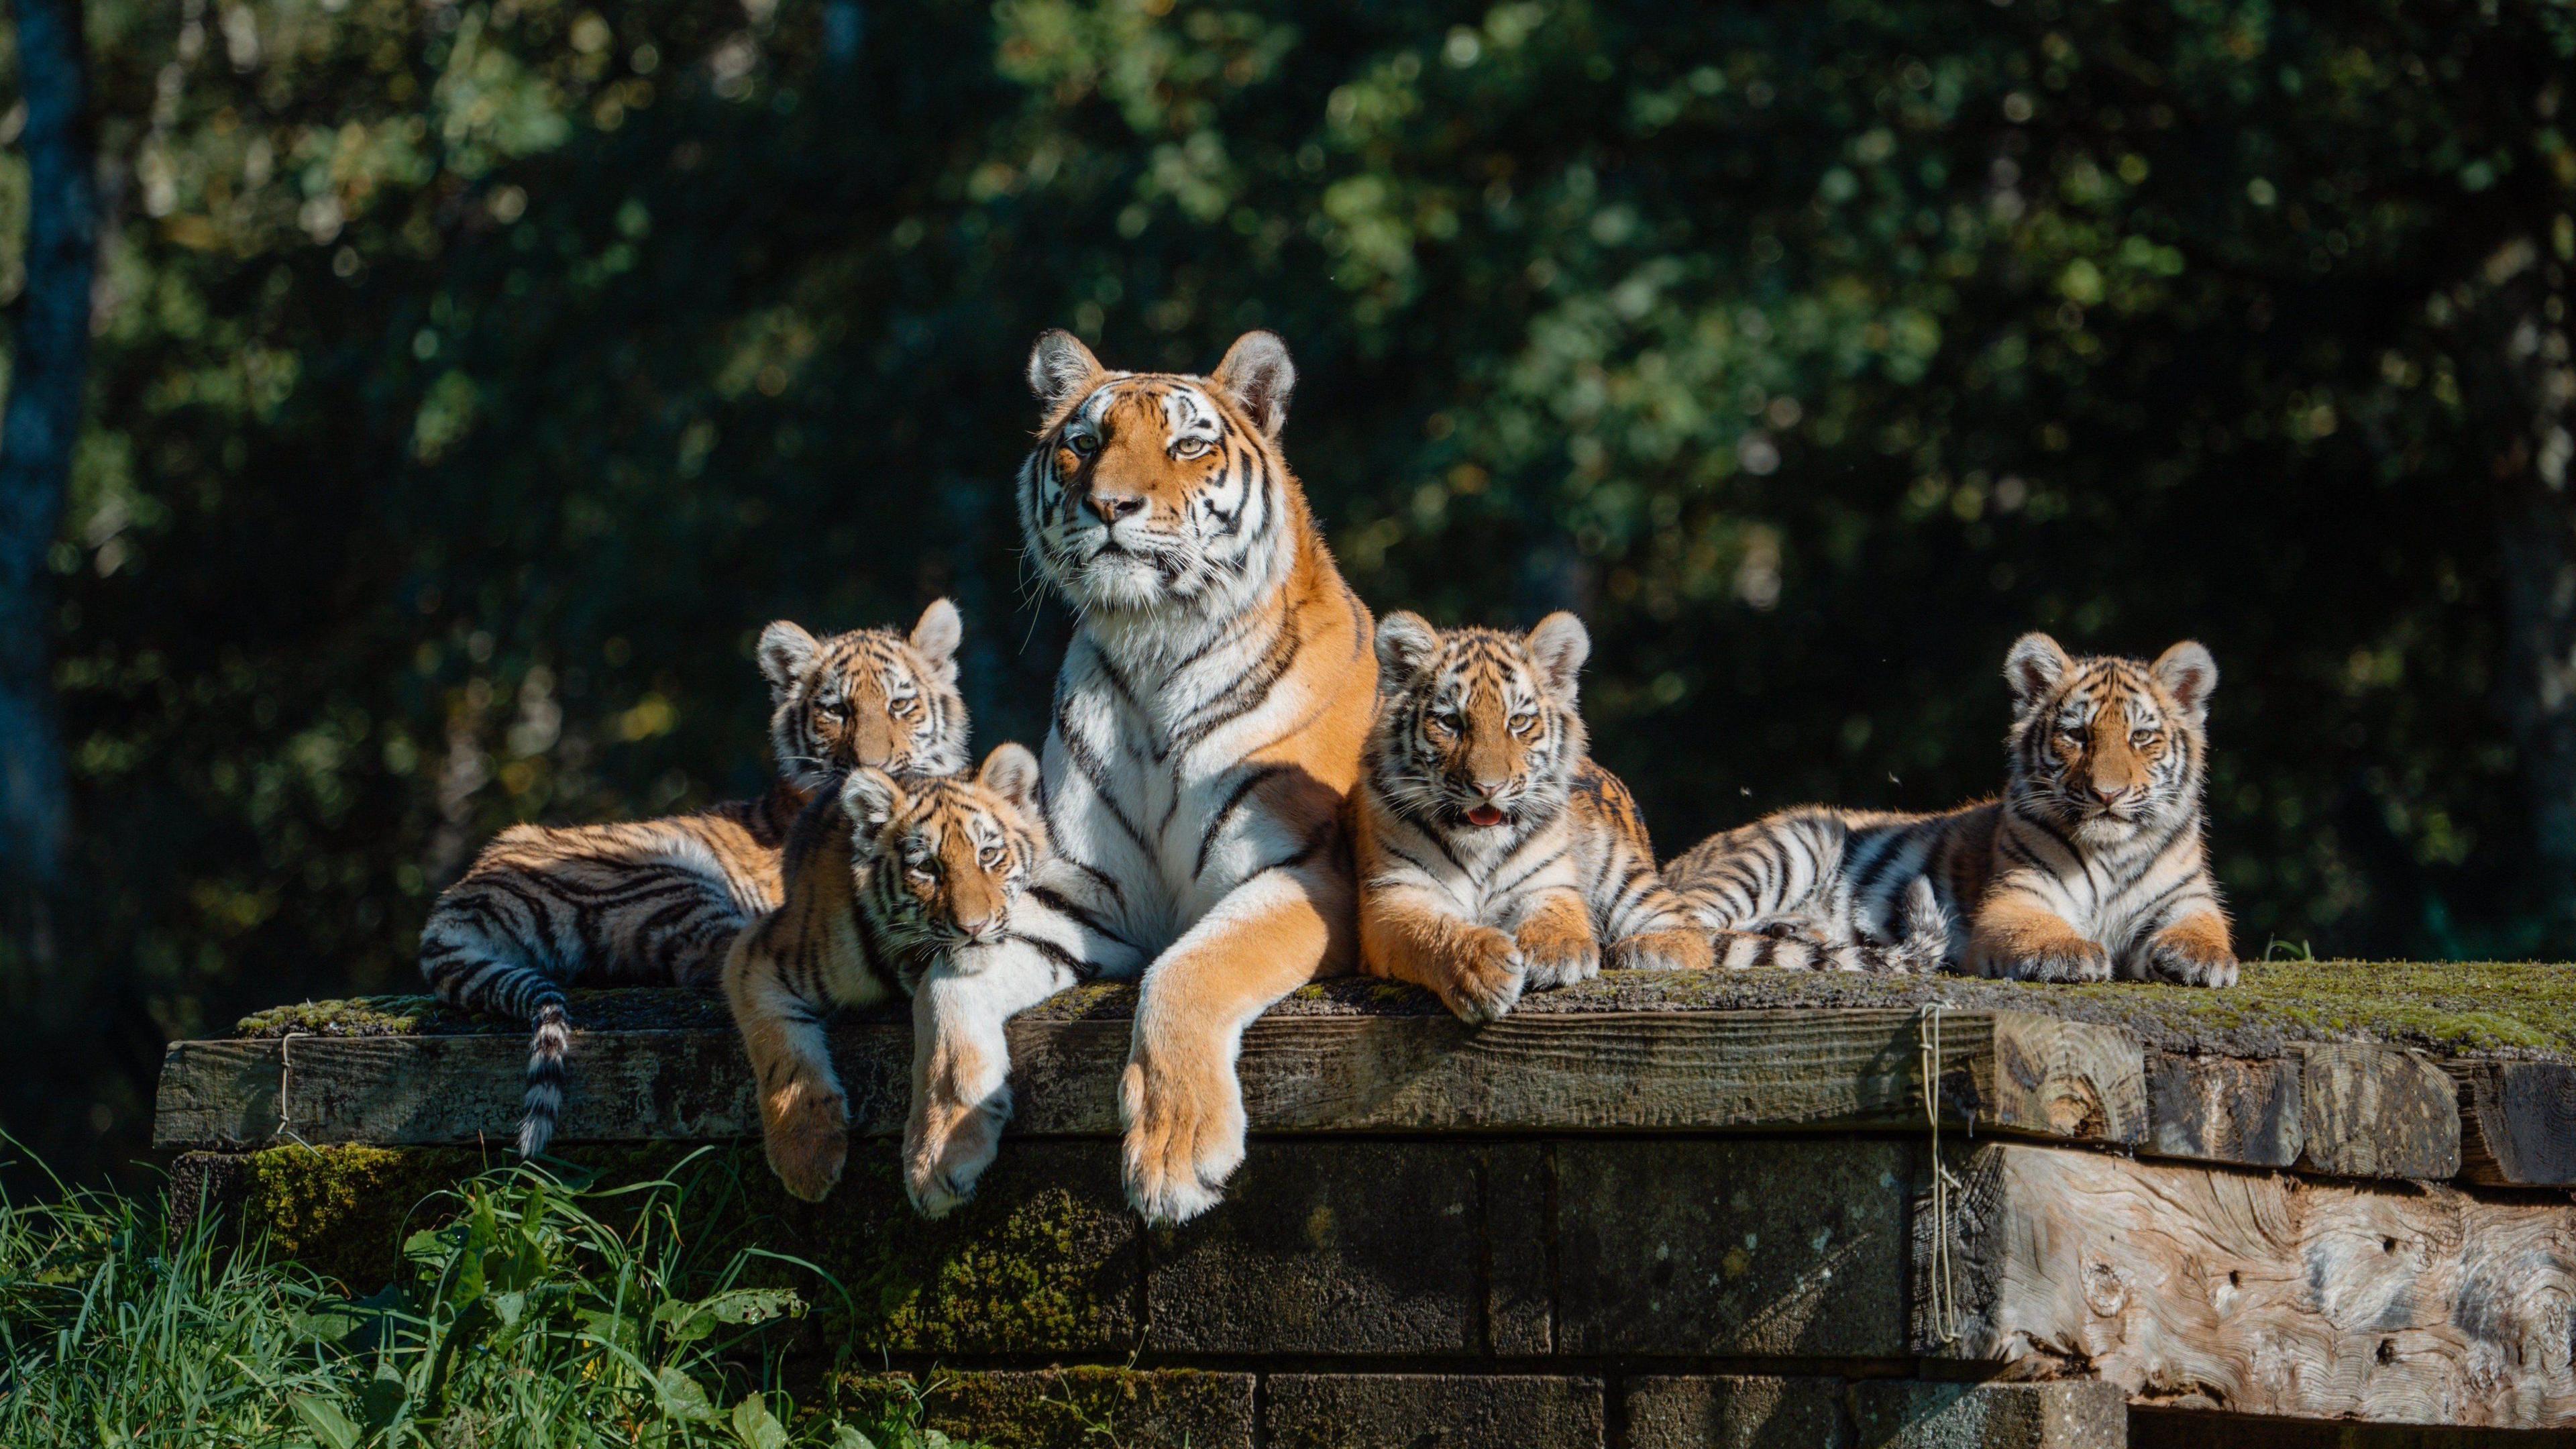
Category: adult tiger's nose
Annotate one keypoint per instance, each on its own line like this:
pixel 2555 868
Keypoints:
pixel 1111 507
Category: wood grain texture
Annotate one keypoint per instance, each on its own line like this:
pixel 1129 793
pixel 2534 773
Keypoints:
pixel 1606 1071
pixel 2261 1293
pixel 2517 1122
pixel 2224 1109
pixel 2373 1111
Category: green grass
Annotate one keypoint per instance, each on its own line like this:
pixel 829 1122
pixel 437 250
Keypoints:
pixel 532 1311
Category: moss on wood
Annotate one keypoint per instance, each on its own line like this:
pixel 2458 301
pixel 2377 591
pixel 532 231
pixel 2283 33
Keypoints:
pixel 2482 1008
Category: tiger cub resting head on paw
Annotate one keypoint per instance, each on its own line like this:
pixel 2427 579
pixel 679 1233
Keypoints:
pixel 1494 855
pixel 884 878
pixel 2091 865
pixel 658 902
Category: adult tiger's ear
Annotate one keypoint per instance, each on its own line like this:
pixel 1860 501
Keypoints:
pixel 1060 368
pixel 871 797
pixel 786 652
pixel 2033 667
pixel 1405 643
pixel 1560 644
pixel 2189 675
pixel 935 638
pixel 1257 374
pixel 1011 772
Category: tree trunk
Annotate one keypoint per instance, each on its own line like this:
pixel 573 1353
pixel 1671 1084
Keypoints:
pixel 48 376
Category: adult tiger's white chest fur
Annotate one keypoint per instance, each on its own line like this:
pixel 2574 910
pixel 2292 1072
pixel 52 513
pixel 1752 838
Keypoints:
pixel 1207 726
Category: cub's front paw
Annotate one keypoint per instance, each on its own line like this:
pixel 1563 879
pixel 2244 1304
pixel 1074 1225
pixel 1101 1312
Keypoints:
pixel 2072 960
pixel 1663 951
pixel 1184 1119
pixel 807 1136
pixel 2189 963
pixel 947 1146
pixel 1488 978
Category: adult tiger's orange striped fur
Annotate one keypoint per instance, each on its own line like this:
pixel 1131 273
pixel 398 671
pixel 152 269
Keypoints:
pixel 659 901
pixel 1207 729
pixel 1494 855
pixel 884 877
pixel 2091 865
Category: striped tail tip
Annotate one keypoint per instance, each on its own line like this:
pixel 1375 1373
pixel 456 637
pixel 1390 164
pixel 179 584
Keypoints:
pixel 548 1045
pixel 1924 945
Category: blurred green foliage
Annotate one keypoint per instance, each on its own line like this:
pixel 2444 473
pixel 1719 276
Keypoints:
pixel 475 377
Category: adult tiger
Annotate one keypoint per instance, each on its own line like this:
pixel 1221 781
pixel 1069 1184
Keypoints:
pixel 2092 864
pixel 1208 723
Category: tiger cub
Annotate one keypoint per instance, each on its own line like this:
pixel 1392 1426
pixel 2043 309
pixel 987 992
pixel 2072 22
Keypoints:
pixel 1494 855
pixel 883 879
pixel 657 901
pixel 2091 865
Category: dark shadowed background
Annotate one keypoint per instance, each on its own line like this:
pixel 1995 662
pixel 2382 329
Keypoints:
pixel 468 382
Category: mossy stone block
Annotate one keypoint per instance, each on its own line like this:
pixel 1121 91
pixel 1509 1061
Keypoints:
pixel 1071 1408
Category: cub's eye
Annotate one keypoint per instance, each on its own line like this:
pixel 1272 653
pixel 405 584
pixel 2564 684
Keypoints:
pixel 2142 738
pixel 1083 444
pixel 990 857
pixel 901 707
pixel 833 709
pixel 920 869
pixel 1524 722
pixel 1442 721
pixel 1188 448
pixel 2072 729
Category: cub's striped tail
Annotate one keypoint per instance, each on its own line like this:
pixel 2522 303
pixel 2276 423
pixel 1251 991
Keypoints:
pixel 1921 947
pixel 465 975
pixel 1781 947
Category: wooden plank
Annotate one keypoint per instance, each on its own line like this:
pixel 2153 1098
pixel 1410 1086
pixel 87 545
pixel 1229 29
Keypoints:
pixel 2374 1111
pixel 1605 1071
pixel 2517 1122
pixel 2224 1109
pixel 2258 1293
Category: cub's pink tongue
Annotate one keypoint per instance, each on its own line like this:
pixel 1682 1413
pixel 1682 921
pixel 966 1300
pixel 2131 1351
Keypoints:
pixel 1484 815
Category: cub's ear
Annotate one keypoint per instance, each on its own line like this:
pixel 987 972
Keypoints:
pixel 1060 368
pixel 2034 666
pixel 1560 644
pixel 871 797
pixel 1257 374
pixel 2189 675
pixel 786 652
pixel 935 639
pixel 1405 643
pixel 1011 772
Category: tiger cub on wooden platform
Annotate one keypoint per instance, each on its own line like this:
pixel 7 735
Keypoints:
pixel 883 879
pixel 2091 865
pixel 1494 856
pixel 657 902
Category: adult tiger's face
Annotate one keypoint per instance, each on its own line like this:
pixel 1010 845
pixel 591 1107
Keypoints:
pixel 1148 489
pixel 870 697
pixel 943 860
pixel 2105 746
pixel 1477 730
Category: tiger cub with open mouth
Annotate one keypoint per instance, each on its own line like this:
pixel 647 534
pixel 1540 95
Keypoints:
pixel 657 902
pixel 1494 855
pixel 884 879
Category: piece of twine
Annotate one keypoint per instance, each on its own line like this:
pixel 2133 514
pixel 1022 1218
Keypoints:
pixel 1943 1288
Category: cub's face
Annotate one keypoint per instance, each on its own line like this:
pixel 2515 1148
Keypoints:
pixel 2109 746
pixel 1150 489
pixel 870 698
pixel 1477 729
pixel 944 859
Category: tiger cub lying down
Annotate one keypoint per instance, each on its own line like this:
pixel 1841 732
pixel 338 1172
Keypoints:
pixel 883 879
pixel 1494 855
pixel 657 902
pixel 2091 865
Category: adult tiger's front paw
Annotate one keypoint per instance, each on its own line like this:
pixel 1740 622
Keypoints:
pixel 806 1133
pixel 947 1146
pixel 1184 1118
pixel 1487 979
pixel 2070 960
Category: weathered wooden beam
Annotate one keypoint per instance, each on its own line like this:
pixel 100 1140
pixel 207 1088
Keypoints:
pixel 1600 1071
pixel 2373 1111
pixel 2517 1122
pixel 2253 1292
pixel 2224 1109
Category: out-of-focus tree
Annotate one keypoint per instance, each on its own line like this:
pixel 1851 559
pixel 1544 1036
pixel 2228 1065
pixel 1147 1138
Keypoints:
pixel 474 378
